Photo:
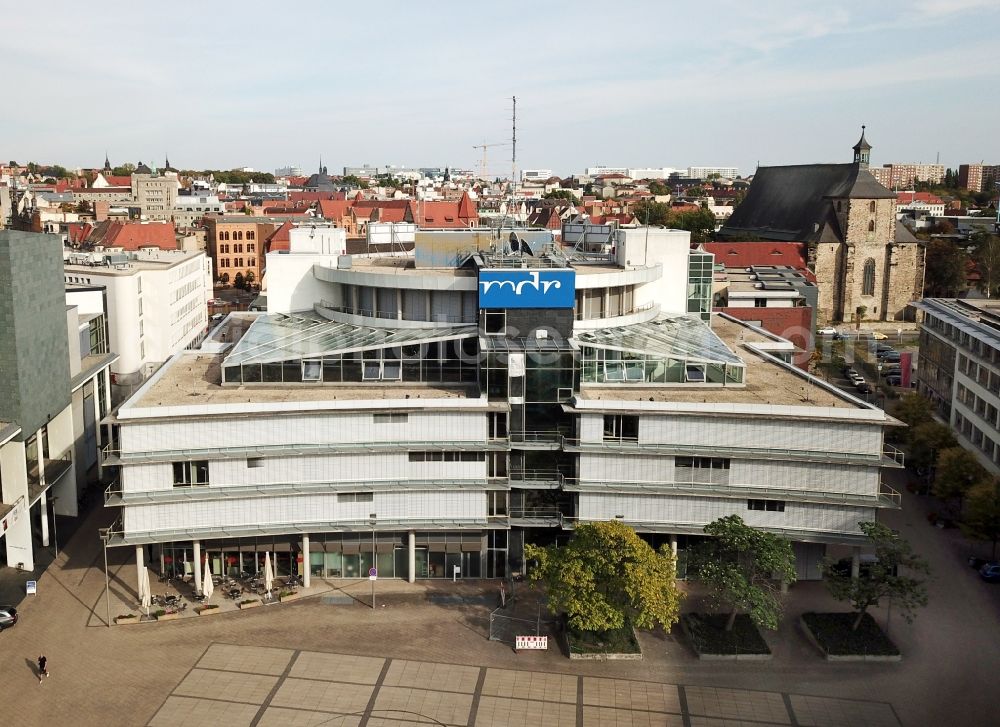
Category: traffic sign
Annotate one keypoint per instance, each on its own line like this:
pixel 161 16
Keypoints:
pixel 372 573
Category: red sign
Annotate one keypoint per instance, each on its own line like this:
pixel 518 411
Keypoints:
pixel 905 369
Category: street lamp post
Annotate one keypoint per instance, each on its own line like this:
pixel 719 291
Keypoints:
pixel 104 533
pixel 372 518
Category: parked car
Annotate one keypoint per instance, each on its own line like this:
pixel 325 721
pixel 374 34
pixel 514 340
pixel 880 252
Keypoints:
pixel 990 572
pixel 216 317
pixel 894 380
pixel 8 617
pixel 828 331
pixel 890 357
pixel 883 347
pixel 876 335
pixel 864 387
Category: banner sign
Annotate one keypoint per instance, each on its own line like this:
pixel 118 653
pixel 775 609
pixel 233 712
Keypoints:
pixel 527 288
pixel 531 642
pixel 905 369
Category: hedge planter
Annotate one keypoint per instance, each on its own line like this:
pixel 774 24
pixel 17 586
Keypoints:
pixel 706 632
pixel 208 610
pixel 126 619
pixel 832 634
pixel 253 603
pixel 167 615
pixel 286 596
pixel 617 645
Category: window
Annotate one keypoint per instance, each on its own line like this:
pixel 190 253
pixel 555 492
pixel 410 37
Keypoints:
pixel 312 370
pixel 760 302
pixel 871 224
pixel 355 497
pixel 871 207
pixel 447 456
pixel 621 427
pixel 251 248
pixel 255 462
pixel 766 505
pixel 187 474
pixel 390 418
pixel 868 281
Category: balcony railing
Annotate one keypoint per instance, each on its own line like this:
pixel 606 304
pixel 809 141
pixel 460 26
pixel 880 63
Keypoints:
pixel 552 478
pixel 394 315
pixel 535 513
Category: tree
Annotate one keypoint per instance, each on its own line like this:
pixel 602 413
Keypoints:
pixel 248 279
pixel 986 256
pixel 859 314
pixel 658 188
pixel 913 409
pixel 981 517
pixel 224 278
pixel 238 281
pixel 607 576
pixel 83 206
pixel 700 224
pixel 125 170
pixel 956 471
pixel 560 194
pixel 889 576
pixel 926 440
pixel 945 268
pixel 652 213
pixel 744 569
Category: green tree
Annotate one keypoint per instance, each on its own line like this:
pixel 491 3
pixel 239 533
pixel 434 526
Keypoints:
pixel 238 281
pixel 744 568
pixel 652 213
pixel 981 516
pixel 956 472
pixel 224 278
pixel 33 168
pixel 893 575
pixel 248 279
pixel 926 440
pixel 700 224
pixel 658 188
pixel 986 256
pixel 606 576
pixel 913 409
pixel 945 268
pixel 125 170
pixel 859 314
pixel 83 206
pixel 560 194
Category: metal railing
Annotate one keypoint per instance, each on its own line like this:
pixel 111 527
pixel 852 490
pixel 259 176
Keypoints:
pixel 394 315
pixel 536 476
pixel 553 436
pixel 535 513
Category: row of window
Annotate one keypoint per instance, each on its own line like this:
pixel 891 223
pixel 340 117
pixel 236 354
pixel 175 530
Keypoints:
pixel 705 463
pixel 980 406
pixel 235 262
pixel 963 339
pixel 447 456
pixel 237 235
pixel 978 438
pixel 986 376
pixel 225 249
pixel 766 505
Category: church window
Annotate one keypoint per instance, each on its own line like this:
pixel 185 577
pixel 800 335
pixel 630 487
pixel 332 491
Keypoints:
pixel 871 226
pixel 868 281
pixel 871 206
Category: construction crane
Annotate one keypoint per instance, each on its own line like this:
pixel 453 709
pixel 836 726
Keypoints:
pixel 483 171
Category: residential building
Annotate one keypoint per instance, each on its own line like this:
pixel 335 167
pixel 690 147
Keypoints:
pixel 157 303
pixel 706 172
pixel 978 177
pixel 864 259
pixel 958 369
pixel 124 236
pixel 154 193
pixel 236 244
pixel 920 202
pixel 905 176
pixel 289 171
pixel 535 175
pixel 53 392
pixel 491 389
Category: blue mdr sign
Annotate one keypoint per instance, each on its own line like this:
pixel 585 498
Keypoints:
pixel 527 288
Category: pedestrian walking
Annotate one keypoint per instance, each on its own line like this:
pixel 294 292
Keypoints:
pixel 42 667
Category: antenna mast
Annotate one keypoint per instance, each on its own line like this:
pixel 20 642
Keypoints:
pixel 513 153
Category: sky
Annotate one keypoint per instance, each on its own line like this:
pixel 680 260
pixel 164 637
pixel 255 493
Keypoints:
pixel 727 83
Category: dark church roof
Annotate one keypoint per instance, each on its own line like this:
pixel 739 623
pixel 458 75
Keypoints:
pixel 796 203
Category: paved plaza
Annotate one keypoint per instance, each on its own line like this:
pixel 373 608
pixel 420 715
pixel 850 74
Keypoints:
pixel 423 656
pixel 254 686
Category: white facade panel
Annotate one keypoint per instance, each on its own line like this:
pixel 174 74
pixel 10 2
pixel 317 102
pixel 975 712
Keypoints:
pixel 277 511
pixel 654 510
pixel 319 428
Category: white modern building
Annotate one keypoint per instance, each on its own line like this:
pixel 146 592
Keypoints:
pixel 157 302
pixel 535 175
pixel 959 370
pixel 705 172
pixel 429 413
pixel 188 209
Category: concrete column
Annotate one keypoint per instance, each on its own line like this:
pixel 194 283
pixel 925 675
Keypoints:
pixel 43 505
pixel 140 565
pixel 14 490
pixel 305 561
pixel 411 552
pixel 197 566
pixel 673 549
pixel 856 562
pixel 163 564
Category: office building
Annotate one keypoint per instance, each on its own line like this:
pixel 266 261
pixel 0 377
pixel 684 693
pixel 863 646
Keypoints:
pixel 487 389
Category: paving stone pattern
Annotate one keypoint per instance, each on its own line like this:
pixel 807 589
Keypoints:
pixel 250 686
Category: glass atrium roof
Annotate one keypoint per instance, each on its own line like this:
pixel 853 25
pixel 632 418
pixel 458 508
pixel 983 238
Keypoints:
pixel 279 337
pixel 678 337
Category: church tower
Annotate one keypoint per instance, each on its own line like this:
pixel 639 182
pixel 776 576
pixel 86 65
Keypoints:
pixel 862 150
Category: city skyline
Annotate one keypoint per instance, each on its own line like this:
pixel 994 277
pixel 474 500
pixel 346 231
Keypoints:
pixel 774 84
